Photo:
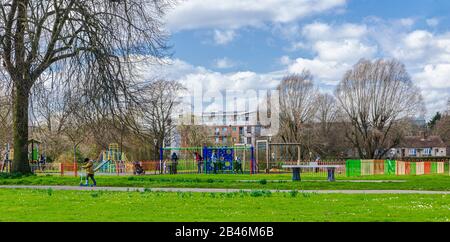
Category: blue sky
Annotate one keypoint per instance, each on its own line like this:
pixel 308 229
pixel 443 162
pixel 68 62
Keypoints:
pixel 248 43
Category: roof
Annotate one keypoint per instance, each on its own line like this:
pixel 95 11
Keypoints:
pixel 422 142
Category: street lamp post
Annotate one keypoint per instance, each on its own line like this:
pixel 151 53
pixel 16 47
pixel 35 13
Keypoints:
pixel 268 155
pixel 155 142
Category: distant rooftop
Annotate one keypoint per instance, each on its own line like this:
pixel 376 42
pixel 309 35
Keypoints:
pixel 422 142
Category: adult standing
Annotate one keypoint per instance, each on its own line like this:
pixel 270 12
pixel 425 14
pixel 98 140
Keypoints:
pixel 174 163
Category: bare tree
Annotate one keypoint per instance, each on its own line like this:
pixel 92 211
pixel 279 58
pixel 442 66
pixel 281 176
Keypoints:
pixel 326 133
pixel 298 108
pixel 92 41
pixel 155 121
pixel 375 96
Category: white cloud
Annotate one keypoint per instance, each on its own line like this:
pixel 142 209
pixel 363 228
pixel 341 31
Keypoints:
pixel 323 31
pixel 435 76
pixel 344 51
pixel 224 37
pixel 336 49
pixel 224 63
pixel 325 72
pixel 406 22
pixel 233 14
pixel 433 22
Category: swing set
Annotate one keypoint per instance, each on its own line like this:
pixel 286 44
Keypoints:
pixel 271 157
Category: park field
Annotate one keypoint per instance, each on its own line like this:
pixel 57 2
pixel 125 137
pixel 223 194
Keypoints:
pixel 257 182
pixel 53 205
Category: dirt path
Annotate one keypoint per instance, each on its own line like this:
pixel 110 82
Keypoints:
pixel 219 190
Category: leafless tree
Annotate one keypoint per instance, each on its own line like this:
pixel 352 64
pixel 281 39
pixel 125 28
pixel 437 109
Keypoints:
pixel 375 95
pixel 92 41
pixel 156 119
pixel 442 129
pixel 298 97
pixel 327 135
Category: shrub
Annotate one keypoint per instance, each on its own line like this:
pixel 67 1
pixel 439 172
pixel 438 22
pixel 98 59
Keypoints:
pixel 263 182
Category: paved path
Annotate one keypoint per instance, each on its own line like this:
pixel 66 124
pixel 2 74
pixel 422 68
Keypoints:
pixel 220 190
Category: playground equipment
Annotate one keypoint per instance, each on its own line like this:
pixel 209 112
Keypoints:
pixel 34 151
pixel 7 158
pixel 271 157
pixel 393 167
pixel 112 160
pixel 224 156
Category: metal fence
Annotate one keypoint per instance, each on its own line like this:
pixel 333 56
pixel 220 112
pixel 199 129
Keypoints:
pixel 349 168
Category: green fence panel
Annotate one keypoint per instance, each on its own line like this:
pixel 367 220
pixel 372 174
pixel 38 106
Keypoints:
pixel 412 168
pixel 434 166
pixel 353 168
pixel 389 167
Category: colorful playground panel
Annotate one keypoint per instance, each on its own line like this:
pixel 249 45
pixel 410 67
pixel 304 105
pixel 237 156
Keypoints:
pixel 392 167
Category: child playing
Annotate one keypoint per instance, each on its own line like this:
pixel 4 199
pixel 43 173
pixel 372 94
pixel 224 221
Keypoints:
pixel 89 167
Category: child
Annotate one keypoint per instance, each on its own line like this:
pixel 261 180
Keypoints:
pixel 89 167
pixel 199 160
pixel 238 165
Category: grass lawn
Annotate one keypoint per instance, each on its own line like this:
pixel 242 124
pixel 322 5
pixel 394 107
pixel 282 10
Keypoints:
pixel 280 182
pixel 50 205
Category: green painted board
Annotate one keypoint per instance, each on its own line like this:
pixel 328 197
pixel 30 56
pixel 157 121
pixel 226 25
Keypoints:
pixel 353 168
pixel 434 166
pixel 389 167
pixel 412 168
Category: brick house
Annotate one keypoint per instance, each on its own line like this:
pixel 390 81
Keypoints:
pixel 422 146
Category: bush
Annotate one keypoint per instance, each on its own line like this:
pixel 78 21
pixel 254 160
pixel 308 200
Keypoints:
pixel 263 182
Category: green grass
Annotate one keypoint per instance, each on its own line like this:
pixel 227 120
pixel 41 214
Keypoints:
pixel 49 205
pixel 426 182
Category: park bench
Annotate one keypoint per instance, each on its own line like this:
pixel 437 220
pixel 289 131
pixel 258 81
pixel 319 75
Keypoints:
pixel 296 170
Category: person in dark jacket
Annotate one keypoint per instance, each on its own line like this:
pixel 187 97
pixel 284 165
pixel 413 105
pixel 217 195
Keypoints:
pixel 174 163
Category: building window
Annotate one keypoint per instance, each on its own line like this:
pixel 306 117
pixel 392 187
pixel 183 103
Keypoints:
pixel 427 151
pixel 249 130
pixel 249 140
pixel 412 152
pixel 224 139
pixel 241 130
pixel 217 140
pixel 224 129
pixel 234 129
pixel 234 140
pixel 247 117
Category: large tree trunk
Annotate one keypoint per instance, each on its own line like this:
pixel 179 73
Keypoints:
pixel 20 128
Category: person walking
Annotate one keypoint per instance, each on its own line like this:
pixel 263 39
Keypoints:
pixel 89 167
pixel 199 160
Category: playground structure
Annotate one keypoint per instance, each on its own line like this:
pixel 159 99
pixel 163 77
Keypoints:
pixel 112 160
pixel 225 158
pixel 276 157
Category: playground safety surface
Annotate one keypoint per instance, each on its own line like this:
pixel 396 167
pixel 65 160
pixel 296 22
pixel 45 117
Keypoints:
pixel 218 190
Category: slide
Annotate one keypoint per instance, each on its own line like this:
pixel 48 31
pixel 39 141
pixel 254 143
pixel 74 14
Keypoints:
pixel 101 164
